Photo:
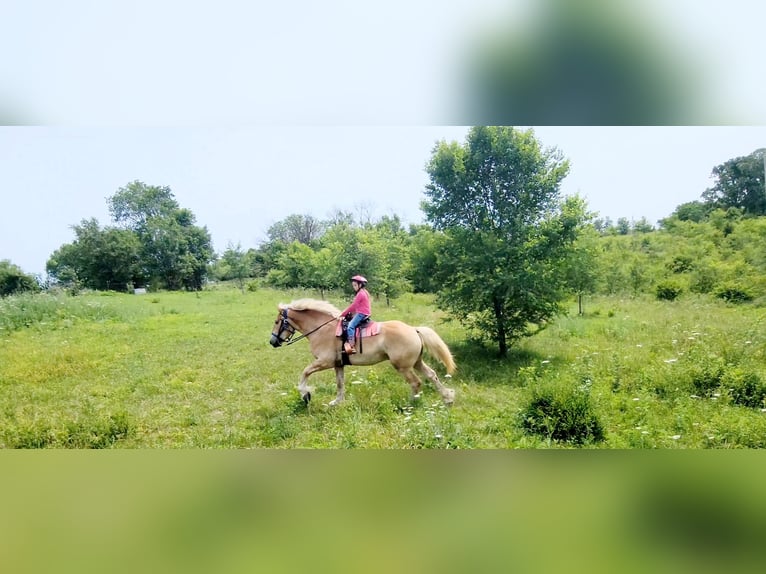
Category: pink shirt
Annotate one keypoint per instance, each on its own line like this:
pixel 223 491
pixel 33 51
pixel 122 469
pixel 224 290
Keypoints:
pixel 360 304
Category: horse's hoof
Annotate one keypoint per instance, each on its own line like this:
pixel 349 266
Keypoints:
pixel 306 398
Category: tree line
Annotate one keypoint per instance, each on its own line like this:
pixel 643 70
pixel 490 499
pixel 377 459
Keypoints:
pixel 153 242
pixel 501 248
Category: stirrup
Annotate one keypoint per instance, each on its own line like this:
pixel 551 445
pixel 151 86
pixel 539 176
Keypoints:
pixel 349 348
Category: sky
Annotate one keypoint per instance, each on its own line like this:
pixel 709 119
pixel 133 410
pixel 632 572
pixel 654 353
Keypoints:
pixel 252 111
pixel 337 62
pixel 238 181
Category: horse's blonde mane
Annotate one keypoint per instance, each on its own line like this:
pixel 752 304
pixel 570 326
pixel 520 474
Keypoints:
pixel 312 305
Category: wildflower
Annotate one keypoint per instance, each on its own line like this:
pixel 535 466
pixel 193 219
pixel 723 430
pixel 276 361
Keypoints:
pixel 671 361
pixel 676 436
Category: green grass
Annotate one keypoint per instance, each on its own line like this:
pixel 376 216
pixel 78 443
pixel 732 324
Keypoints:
pixel 188 370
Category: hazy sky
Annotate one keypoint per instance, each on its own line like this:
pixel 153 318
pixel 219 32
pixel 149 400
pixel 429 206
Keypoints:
pixel 239 181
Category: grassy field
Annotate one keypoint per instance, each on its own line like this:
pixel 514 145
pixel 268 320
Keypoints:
pixel 194 370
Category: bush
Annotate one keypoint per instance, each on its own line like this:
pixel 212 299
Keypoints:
pixel 705 376
pixel 14 280
pixel 745 388
pixel 668 290
pixel 733 293
pixel 562 413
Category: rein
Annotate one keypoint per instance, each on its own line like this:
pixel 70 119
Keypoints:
pixel 304 335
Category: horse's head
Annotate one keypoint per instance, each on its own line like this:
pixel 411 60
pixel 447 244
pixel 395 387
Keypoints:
pixel 283 329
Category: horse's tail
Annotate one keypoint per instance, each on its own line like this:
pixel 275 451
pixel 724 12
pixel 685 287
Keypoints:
pixel 438 348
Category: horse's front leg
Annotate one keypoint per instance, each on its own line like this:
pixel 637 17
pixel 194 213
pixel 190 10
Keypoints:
pixel 340 379
pixel 303 387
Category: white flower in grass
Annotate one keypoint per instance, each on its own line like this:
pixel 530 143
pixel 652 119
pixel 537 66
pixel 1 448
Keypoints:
pixel 671 361
pixel 676 436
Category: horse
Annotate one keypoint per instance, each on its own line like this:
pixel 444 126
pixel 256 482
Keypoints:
pixel 397 342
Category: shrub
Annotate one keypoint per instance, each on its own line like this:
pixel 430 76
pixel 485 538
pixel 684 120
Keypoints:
pixel 706 377
pixel 562 413
pixel 680 264
pixel 745 388
pixel 14 280
pixel 668 290
pixel 733 293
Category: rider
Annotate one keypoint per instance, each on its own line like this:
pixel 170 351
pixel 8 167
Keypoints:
pixel 361 309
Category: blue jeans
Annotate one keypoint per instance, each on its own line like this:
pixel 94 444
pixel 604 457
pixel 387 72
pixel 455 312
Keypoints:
pixel 353 324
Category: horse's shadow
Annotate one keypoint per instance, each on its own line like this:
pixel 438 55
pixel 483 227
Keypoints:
pixel 480 364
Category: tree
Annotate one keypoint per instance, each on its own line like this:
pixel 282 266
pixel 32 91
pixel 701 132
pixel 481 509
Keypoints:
pixel 175 252
pixel 695 211
pixel 137 203
pixel 740 184
pixel 507 232
pixel 106 259
pixel 234 264
pixel 623 226
pixel 423 261
pixel 582 266
pixel 388 239
pixel 13 280
pixel 305 229
pixel 642 226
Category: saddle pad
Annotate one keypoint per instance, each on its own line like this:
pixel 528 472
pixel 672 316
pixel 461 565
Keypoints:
pixel 370 329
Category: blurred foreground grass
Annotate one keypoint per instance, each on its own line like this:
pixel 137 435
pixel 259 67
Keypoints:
pixel 182 511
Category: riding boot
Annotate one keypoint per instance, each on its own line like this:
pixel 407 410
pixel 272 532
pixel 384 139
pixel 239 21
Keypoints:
pixel 349 348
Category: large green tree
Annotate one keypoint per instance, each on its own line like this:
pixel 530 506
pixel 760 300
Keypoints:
pixel 175 252
pixel 739 183
pixel 507 230
pixel 105 259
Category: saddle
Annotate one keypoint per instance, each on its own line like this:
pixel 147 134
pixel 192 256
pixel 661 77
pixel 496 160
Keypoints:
pixel 365 329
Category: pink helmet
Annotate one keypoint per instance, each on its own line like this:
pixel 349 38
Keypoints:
pixel 359 279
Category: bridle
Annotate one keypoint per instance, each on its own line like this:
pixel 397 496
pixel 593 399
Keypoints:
pixel 287 327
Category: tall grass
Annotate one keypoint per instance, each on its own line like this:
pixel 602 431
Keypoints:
pixel 195 370
pixel 47 310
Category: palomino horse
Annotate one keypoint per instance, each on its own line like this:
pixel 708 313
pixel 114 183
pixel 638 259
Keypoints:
pixel 398 342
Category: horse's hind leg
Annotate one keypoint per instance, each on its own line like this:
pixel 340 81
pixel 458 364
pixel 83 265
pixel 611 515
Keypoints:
pixel 412 379
pixel 448 395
